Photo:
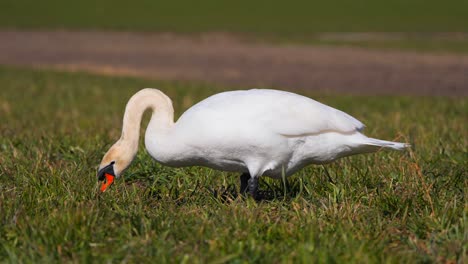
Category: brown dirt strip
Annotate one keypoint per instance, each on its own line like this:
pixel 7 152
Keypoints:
pixel 222 58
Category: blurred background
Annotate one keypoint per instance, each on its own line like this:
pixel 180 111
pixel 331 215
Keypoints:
pixel 359 47
pixel 299 17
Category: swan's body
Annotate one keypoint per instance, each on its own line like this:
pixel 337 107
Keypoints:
pixel 259 132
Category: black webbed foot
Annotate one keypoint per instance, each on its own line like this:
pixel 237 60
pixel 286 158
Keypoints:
pixel 253 187
pixel 244 183
pixel 249 184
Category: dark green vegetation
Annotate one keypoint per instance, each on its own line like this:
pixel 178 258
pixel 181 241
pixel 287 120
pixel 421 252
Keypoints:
pixel 300 21
pixel 395 207
pixel 283 17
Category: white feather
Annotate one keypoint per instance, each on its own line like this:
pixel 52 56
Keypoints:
pixel 262 132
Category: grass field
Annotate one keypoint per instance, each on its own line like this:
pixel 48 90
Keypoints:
pixel 296 17
pixel 300 21
pixel 385 207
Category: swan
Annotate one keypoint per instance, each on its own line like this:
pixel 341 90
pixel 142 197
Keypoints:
pixel 255 132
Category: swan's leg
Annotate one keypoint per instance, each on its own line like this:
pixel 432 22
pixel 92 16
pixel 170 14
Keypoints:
pixel 244 179
pixel 253 187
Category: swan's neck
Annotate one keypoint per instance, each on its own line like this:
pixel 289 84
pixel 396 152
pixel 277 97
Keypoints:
pixel 162 117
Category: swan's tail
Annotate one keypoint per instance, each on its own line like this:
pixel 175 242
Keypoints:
pixel 377 143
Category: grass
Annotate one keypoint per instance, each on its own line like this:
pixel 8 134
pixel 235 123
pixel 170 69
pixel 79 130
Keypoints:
pixel 385 207
pixel 300 21
pixel 298 17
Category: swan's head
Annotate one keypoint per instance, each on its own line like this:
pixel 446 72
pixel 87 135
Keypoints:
pixel 114 162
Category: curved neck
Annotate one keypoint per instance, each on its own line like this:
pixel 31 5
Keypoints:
pixel 162 118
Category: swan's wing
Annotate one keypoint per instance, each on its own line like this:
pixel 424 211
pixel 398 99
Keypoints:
pixel 296 115
pixel 265 110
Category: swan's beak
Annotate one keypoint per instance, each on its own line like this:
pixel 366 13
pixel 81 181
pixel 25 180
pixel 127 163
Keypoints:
pixel 106 175
pixel 107 182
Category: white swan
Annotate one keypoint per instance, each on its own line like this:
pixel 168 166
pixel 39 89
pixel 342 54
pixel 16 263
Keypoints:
pixel 255 132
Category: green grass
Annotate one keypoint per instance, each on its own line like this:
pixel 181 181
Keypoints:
pixel 384 207
pixel 282 17
pixel 298 21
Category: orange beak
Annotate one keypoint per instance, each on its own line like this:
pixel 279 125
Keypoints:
pixel 107 182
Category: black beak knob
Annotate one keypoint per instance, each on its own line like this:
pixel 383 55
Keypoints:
pixel 109 169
